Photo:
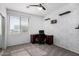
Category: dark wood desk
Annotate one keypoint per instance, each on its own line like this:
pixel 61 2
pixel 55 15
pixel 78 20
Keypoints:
pixel 47 38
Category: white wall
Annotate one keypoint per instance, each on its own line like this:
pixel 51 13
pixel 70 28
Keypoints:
pixel 35 24
pixel 3 12
pixel 65 34
pixel 0 32
pixel 0 41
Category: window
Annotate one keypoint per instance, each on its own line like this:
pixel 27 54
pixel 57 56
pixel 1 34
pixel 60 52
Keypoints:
pixel 14 24
pixel 18 23
pixel 24 24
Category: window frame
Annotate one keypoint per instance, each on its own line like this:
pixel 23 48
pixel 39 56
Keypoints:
pixel 19 22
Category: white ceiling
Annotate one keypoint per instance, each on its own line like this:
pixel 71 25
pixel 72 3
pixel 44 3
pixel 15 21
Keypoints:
pixel 50 7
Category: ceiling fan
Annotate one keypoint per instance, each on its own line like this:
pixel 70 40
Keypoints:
pixel 39 5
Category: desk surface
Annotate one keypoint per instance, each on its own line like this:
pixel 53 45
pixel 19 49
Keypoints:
pixel 44 34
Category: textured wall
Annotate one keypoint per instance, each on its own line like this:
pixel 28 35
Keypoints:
pixel 35 24
pixel 65 34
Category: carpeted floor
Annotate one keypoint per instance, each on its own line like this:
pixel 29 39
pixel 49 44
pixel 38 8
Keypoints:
pixel 0 51
pixel 37 50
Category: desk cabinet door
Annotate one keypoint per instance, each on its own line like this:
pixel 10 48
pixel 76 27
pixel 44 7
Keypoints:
pixel 49 40
pixel 33 39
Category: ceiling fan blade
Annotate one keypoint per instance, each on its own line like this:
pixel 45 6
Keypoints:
pixel 42 7
pixel 33 5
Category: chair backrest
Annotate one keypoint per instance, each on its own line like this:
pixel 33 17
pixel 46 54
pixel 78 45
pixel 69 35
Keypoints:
pixel 41 32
